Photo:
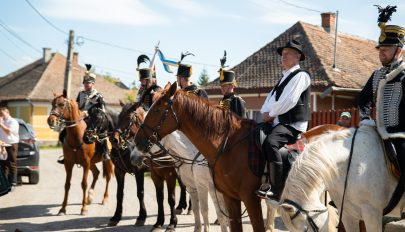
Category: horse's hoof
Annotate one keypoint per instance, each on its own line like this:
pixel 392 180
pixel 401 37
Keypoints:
pixel 171 228
pixel 62 213
pixel 84 212
pixel 140 222
pixel 105 201
pixel 156 229
pixel 178 211
pixel 112 223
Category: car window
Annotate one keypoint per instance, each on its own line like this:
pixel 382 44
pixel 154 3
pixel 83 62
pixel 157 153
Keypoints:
pixel 24 133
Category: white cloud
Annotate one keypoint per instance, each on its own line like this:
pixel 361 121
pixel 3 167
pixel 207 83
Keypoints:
pixel 276 12
pixel 131 12
pixel 187 7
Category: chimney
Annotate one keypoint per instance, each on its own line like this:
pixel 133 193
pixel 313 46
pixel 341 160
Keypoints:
pixel 47 55
pixel 329 21
pixel 75 60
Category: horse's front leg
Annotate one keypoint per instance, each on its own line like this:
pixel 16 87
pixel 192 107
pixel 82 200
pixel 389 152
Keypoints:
pixel 235 217
pixel 139 176
pixel 158 182
pixel 254 209
pixel 171 198
pixel 195 199
pixel 86 168
pixel 108 168
pixel 120 175
pixel 68 169
pixel 183 198
pixel 271 213
pixel 96 173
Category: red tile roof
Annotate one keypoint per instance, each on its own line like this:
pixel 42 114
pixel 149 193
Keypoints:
pixel 39 80
pixel 356 58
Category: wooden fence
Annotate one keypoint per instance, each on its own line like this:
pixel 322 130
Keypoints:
pixel 332 117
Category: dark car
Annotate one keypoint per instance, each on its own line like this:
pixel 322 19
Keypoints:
pixel 28 153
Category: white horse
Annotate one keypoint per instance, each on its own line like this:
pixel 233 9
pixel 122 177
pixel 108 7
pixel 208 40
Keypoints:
pixel 323 166
pixel 196 178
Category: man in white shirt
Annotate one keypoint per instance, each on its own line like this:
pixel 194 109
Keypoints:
pixel 286 112
pixel 9 134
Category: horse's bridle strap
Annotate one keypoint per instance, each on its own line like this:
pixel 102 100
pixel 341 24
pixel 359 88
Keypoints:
pixel 306 212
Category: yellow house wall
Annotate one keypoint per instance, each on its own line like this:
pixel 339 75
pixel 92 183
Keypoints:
pixel 39 122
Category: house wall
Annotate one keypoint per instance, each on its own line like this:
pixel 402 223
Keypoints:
pixel 36 114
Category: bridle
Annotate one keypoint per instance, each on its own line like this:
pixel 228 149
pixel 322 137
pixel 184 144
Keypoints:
pixel 154 137
pixel 94 132
pixel 301 210
pixel 58 110
pixel 124 135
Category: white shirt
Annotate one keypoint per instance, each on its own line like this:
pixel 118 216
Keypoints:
pixel 13 137
pixel 289 98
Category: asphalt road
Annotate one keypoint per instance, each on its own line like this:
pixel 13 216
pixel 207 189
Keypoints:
pixel 35 207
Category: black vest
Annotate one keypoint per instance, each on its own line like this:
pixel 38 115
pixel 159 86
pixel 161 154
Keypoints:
pixel 301 111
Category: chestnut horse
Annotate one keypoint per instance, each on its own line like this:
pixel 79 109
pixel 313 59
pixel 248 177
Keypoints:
pixel 65 113
pixel 220 136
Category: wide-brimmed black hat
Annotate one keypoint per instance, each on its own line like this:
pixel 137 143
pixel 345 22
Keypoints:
pixel 294 44
pixel 389 34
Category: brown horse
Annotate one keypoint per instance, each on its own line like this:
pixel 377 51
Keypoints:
pixel 220 136
pixel 65 113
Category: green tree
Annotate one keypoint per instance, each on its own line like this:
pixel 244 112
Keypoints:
pixel 204 78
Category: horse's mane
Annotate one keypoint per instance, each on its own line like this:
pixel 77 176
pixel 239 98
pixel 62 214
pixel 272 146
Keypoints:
pixel 212 121
pixel 314 166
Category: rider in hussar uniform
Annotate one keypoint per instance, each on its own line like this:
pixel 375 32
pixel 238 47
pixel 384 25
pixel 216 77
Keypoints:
pixel 90 97
pixel 148 83
pixel 385 89
pixel 231 100
pixel 184 72
pixel 87 98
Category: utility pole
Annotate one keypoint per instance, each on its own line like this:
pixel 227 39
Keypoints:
pixel 68 71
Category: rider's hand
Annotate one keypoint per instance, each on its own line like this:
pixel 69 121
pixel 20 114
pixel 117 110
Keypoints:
pixel 85 114
pixel 367 122
pixel 267 118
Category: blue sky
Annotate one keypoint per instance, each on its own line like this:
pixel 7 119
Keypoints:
pixel 205 28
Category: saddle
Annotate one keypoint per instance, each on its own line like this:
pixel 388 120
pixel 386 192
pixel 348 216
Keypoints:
pixel 257 160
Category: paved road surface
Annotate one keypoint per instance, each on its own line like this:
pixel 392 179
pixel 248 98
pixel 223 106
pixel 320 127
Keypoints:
pixel 34 207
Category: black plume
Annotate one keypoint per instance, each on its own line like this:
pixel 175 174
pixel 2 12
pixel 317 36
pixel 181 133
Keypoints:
pixel 88 67
pixel 184 55
pixel 385 13
pixel 142 59
pixel 223 60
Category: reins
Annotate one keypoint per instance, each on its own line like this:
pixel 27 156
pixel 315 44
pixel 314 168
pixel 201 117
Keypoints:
pixel 347 178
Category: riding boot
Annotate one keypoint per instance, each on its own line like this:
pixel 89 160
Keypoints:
pixel 276 179
pixel 105 151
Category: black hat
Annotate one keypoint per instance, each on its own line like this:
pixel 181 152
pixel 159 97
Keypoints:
pixel 226 76
pixel 144 73
pixel 184 70
pixel 89 76
pixel 390 34
pixel 294 45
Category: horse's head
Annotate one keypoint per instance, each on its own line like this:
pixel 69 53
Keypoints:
pixel 97 124
pixel 160 120
pixel 296 218
pixel 60 112
pixel 129 121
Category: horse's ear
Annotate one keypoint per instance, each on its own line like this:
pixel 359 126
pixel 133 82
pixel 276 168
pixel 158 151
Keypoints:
pixel 173 88
pixel 167 86
pixel 122 103
pixel 287 208
pixel 64 93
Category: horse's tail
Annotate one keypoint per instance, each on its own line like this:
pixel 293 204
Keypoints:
pixel 108 168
